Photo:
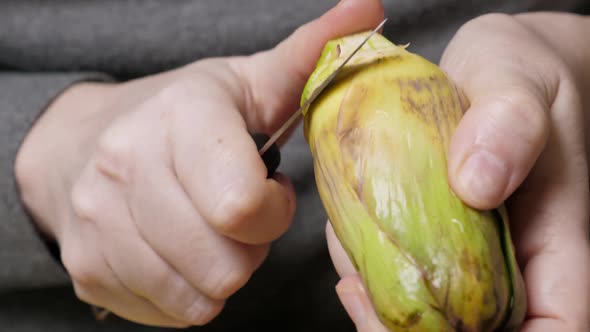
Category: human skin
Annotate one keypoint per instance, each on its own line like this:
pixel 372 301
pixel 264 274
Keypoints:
pixel 154 189
pixel 521 141
pixel 113 172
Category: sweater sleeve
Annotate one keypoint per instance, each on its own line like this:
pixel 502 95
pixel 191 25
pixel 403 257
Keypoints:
pixel 26 259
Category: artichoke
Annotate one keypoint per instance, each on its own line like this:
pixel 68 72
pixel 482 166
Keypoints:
pixel 378 135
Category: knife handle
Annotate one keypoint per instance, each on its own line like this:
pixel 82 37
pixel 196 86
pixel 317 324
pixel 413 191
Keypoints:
pixel 271 157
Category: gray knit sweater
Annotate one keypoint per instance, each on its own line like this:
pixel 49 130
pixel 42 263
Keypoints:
pixel 46 46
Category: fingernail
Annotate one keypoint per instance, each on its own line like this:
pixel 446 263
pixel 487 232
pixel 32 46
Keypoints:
pixel 483 177
pixel 349 295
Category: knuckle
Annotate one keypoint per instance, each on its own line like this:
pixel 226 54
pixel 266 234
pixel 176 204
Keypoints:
pixel 523 107
pixel 571 93
pixel 489 20
pixel 173 292
pixel 26 172
pixel 84 205
pixel 175 91
pixel 237 207
pixel 202 311
pixel 490 24
pixel 223 285
pixel 177 296
pixel 84 294
pixel 81 270
pixel 169 103
pixel 115 157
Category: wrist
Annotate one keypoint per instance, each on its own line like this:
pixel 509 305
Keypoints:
pixel 52 149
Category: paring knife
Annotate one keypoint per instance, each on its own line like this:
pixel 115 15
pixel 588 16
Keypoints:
pixel 268 150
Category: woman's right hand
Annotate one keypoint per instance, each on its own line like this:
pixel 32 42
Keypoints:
pixel 154 189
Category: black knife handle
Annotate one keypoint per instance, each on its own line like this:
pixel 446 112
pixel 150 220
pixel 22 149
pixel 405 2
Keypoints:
pixel 271 157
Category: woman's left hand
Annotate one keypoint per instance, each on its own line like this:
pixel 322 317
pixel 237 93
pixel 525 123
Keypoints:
pixel 522 141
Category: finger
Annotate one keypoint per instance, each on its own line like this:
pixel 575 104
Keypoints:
pixel 339 257
pixel 220 168
pixel 350 289
pixel 133 261
pixel 558 291
pixel 165 217
pixel 147 275
pixel 551 216
pixel 506 127
pixel 95 284
pixel 357 304
pixel 152 278
pixel 214 264
pixel 276 78
pixel 167 220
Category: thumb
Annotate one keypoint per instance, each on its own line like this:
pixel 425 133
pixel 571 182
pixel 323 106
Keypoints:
pixel 275 78
pixel 511 90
